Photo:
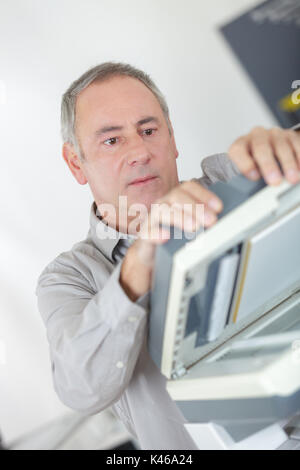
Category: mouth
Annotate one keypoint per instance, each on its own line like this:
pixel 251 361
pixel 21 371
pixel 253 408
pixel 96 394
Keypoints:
pixel 143 181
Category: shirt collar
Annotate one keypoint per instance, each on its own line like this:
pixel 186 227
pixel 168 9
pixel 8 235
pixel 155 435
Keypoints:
pixel 105 237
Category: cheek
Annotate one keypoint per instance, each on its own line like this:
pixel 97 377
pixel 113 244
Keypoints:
pixel 166 158
pixel 105 179
pixel 102 170
pixel 165 150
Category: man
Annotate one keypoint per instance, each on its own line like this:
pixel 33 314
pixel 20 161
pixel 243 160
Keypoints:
pixel 94 299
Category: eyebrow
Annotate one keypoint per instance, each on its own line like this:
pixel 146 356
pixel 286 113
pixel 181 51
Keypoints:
pixel 106 129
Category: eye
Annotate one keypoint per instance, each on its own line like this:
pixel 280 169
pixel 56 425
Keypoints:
pixel 149 131
pixel 112 140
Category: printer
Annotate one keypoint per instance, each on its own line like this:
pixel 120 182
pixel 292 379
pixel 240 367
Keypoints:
pixel 224 326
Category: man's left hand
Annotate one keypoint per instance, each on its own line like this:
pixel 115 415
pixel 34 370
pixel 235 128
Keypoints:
pixel 269 153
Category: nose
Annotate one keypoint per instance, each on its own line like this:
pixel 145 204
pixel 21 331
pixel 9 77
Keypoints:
pixel 138 152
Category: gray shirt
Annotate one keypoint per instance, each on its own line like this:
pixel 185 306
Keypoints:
pixel 97 335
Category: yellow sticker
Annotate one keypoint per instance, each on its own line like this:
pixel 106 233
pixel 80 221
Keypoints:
pixel 291 102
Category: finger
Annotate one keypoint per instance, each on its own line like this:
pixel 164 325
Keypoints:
pixel 174 215
pixel 239 153
pixel 262 151
pixel 179 198
pixel 294 138
pixel 188 201
pixel 194 215
pixel 151 228
pixel 285 154
pixel 202 195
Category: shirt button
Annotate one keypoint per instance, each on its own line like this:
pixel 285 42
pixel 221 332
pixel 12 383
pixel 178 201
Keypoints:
pixel 120 364
pixel 132 319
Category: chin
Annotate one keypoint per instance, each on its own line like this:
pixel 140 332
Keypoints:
pixel 146 200
pixel 146 197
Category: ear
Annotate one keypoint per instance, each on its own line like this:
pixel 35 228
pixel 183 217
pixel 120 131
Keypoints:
pixel 74 163
pixel 173 143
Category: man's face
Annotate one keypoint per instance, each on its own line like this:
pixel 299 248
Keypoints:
pixel 124 136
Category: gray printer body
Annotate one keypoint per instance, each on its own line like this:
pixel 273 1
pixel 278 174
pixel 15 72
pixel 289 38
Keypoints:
pixel 225 311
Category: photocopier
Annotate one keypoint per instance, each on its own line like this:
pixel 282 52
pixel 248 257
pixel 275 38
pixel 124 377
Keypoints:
pixel 224 325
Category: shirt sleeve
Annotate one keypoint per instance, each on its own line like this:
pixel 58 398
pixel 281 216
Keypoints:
pixel 94 339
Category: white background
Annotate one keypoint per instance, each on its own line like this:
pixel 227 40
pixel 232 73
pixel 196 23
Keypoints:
pixel 45 45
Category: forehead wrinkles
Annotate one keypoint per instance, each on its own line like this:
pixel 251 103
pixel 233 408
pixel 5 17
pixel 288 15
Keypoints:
pixel 116 90
pixel 116 94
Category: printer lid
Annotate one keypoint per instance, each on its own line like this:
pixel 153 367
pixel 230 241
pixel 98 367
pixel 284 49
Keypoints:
pixel 208 289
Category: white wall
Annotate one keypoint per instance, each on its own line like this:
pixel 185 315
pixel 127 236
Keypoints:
pixel 44 46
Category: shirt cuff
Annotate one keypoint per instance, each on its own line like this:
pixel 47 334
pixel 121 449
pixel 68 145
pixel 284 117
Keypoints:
pixel 144 300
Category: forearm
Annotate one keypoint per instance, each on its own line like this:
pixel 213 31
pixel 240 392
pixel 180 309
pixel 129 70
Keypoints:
pixel 94 345
pixel 135 274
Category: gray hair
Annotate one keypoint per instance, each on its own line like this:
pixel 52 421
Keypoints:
pixel 100 73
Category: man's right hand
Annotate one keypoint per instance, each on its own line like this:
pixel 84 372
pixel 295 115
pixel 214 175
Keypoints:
pixel 177 208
